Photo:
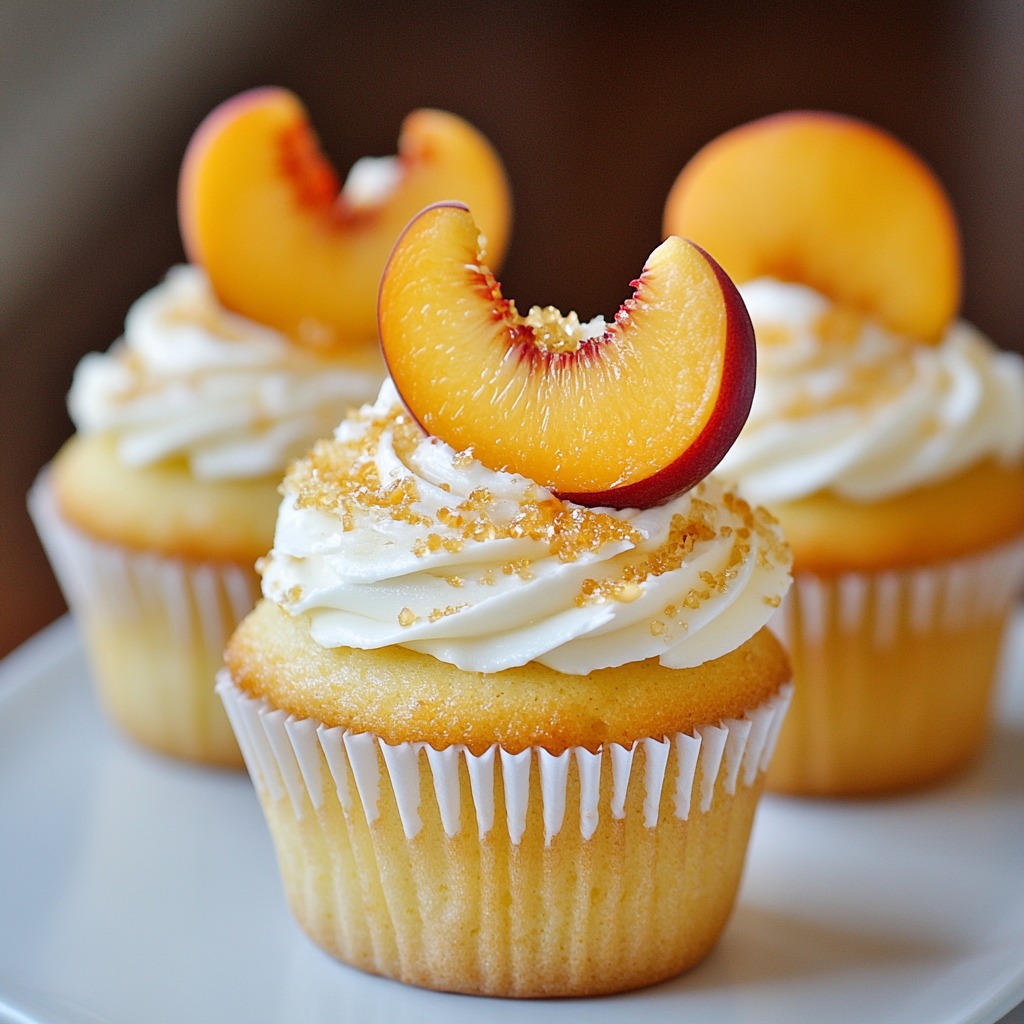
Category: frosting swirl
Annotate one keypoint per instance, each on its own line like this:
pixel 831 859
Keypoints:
pixel 190 379
pixel 386 536
pixel 843 405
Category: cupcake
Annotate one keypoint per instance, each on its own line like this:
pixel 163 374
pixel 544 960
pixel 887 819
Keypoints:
pixel 509 742
pixel 887 436
pixel 155 511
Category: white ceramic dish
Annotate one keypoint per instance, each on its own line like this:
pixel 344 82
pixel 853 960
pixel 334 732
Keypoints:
pixel 134 890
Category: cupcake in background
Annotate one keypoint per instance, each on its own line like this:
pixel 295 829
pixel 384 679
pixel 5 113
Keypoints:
pixel 154 512
pixel 886 435
pixel 509 741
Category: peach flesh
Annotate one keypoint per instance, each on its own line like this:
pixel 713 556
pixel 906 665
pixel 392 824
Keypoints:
pixel 628 417
pixel 260 209
pixel 828 201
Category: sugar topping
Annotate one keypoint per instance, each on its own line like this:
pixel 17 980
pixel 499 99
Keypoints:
pixel 386 536
pixel 341 477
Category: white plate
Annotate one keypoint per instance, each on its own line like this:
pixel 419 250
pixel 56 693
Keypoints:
pixel 134 890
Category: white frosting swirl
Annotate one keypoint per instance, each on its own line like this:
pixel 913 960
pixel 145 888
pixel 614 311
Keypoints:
pixel 191 379
pixel 843 405
pixel 386 536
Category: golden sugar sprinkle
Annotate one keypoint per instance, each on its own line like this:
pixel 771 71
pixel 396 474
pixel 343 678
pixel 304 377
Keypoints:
pixel 434 543
pixel 519 567
pixel 566 531
pixel 440 613
pixel 340 477
pixel 685 532
pixel 683 535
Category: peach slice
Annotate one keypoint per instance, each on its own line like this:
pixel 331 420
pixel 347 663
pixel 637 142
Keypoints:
pixel 624 415
pixel 831 202
pixel 260 208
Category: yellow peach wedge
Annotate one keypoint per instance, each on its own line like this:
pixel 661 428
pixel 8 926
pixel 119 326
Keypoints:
pixel 831 202
pixel 260 208
pixel 625 414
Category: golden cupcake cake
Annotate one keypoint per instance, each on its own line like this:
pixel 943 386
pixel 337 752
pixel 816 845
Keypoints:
pixel 509 698
pixel 155 511
pixel 887 435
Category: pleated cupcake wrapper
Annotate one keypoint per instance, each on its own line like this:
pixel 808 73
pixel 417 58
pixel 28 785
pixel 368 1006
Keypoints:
pixel 284 755
pixel 201 602
pixel 951 596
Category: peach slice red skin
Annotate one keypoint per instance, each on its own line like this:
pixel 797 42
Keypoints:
pixel 832 202
pixel 260 209
pixel 721 429
pixel 691 463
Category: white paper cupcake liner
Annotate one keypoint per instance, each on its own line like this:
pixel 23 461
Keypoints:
pixel 202 601
pixel 154 627
pixel 951 597
pixel 284 755
pixel 894 670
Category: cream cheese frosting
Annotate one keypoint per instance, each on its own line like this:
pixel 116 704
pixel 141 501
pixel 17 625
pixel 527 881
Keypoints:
pixel 843 405
pixel 387 536
pixel 190 379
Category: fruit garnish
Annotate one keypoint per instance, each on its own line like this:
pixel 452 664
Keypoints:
pixel 261 209
pixel 831 202
pixel 626 414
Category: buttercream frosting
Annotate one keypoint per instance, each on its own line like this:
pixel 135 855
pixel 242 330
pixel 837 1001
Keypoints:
pixel 387 536
pixel 843 405
pixel 190 379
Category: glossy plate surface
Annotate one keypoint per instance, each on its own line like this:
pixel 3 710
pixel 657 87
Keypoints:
pixel 134 889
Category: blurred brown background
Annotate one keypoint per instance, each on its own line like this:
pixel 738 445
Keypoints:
pixel 594 107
